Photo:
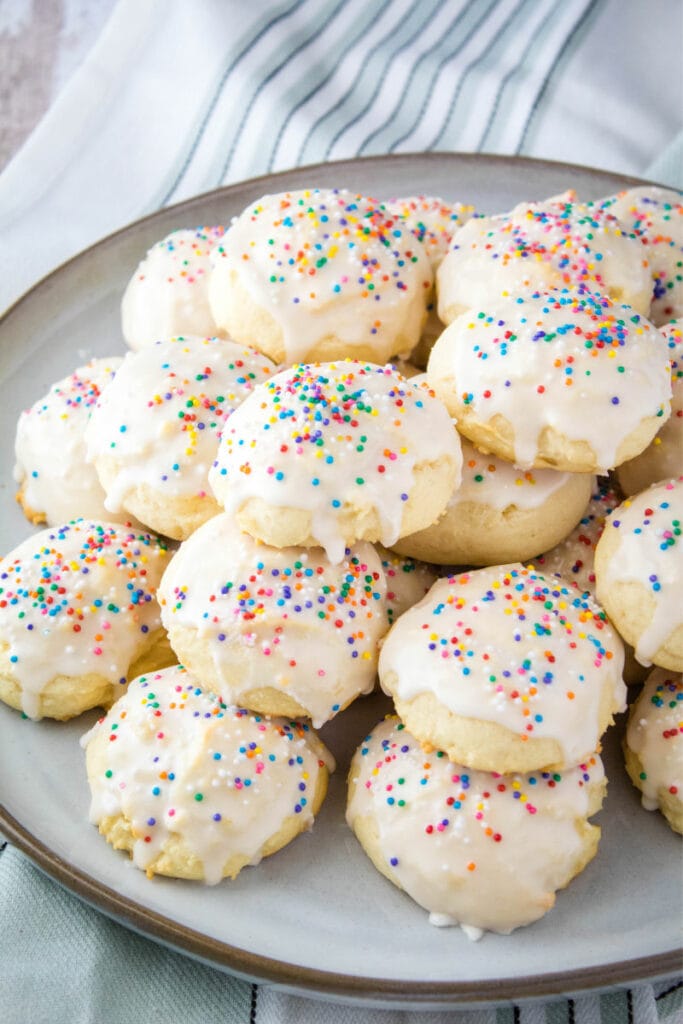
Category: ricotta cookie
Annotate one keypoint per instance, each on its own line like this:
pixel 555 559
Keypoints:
pixel 408 580
pixel 663 457
pixel 505 670
pixel 168 293
pixel 554 244
pixel 194 788
pixel 55 482
pixel 154 432
pixel 433 222
pixel 500 513
pixel 638 569
pixel 654 215
pixel 328 454
pixel 478 849
pixel 653 745
pixel 564 380
pixel 78 614
pixel 276 630
pixel 320 274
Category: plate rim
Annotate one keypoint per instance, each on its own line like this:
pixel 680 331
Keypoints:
pixel 253 966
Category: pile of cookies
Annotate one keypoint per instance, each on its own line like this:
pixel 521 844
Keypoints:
pixel 342 432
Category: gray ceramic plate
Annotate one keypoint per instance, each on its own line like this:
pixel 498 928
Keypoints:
pixel 316 918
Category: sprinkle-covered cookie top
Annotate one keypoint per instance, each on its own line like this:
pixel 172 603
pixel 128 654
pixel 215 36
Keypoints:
pixel 511 646
pixel 649 528
pixel 278 617
pixel 50 447
pixel 160 424
pixel 180 762
pixel 497 833
pixel 432 220
pixel 326 437
pixel 78 599
pixel 168 293
pixel 328 262
pixel 567 359
pixel 655 734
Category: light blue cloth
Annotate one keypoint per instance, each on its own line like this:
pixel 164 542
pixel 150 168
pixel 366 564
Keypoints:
pixel 177 98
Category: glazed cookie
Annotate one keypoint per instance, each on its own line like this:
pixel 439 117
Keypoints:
pixel 663 457
pixel 565 380
pixel 277 630
pixel 655 216
pixel 554 244
pixel 500 513
pixel 168 293
pixel 153 434
pixel 55 482
pixel 320 274
pixel 653 745
pixel 193 788
pixel 478 849
pixel 78 616
pixel 506 670
pixel 433 222
pixel 638 570
pixel 328 454
pixel 408 580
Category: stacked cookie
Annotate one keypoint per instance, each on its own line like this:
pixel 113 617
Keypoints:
pixel 318 494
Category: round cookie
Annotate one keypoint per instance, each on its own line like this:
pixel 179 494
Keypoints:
pixel 194 788
pixel 78 616
pixel 153 434
pixel 55 482
pixel 479 849
pixel 500 513
pixel 638 569
pixel 554 244
pixel 328 454
pixel 505 670
pixel 433 221
pixel 653 745
pixel 408 580
pixel 168 293
pixel 654 215
pixel 565 380
pixel 320 274
pixel 277 630
pixel 663 457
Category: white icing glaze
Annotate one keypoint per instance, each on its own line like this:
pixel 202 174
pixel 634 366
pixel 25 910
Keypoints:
pixel 326 262
pixel 574 557
pixel 655 734
pixel 432 220
pixel 476 848
pixel 566 359
pixel 163 413
pixel 185 764
pixel 655 216
pixel 50 448
pixel 489 480
pixel 508 645
pixel 324 436
pixel 78 599
pixel 168 293
pixel 550 244
pixel 283 618
pixel 650 553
